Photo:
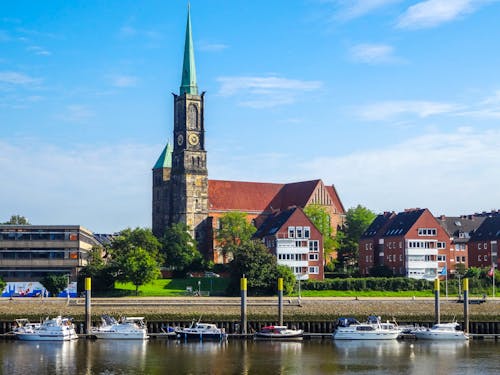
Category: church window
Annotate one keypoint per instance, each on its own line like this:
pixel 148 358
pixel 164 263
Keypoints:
pixel 192 161
pixel 198 161
pixel 193 117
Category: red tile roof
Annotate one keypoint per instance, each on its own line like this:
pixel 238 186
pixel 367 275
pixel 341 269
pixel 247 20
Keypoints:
pixel 263 196
pixel 240 195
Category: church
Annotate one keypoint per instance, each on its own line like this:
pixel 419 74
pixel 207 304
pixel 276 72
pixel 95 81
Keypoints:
pixel 182 191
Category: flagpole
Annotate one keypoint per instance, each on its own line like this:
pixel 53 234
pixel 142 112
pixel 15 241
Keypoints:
pixel 446 283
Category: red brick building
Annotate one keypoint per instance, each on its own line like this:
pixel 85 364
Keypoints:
pixel 295 242
pixel 411 243
pixel 460 230
pixel 483 244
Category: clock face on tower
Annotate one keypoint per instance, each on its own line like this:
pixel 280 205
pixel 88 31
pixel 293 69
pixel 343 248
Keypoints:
pixel 193 139
pixel 180 139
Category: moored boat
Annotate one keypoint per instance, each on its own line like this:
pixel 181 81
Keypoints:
pixel 56 329
pixel 441 331
pixel 128 328
pixel 351 329
pixel 201 332
pixel 279 333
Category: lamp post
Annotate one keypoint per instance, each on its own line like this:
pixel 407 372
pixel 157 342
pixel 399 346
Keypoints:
pixel 67 289
pixel 199 288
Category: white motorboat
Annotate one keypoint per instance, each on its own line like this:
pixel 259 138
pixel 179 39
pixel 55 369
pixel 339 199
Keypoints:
pixel 128 328
pixel 279 333
pixel 24 325
pixel 441 331
pixel 56 329
pixel 351 329
pixel 201 332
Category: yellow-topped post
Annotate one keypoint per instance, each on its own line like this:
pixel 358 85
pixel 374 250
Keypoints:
pixel 466 303
pixel 88 308
pixel 243 288
pixel 280 300
pixel 437 312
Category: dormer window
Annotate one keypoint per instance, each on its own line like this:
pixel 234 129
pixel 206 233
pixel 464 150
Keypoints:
pixel 291 232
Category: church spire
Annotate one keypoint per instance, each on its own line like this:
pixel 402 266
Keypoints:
pixel 188 84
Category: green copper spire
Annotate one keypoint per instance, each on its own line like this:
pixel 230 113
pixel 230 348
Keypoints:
pixel 165 159
pixel 188 84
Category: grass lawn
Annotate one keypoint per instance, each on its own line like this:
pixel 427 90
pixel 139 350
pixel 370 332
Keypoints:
pixel 174 287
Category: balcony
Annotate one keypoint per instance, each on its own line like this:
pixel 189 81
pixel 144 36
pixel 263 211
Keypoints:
pixel 293 263
pixel 422 264
pixel 421 251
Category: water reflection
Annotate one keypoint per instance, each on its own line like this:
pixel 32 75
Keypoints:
pixel 248 357
pixel 441 357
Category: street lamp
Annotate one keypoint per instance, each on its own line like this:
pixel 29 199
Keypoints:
pixel 67 288
pixel 199 288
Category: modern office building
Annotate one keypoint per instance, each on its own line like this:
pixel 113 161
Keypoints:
pixel 29 252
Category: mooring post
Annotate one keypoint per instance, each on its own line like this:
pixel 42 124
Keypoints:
pixel 243 287
pixel 88 316
pixel 466 304
pixel 437 312
pixel 280 300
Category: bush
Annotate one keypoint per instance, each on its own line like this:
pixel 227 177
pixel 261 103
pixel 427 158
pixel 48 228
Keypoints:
pixel 370 284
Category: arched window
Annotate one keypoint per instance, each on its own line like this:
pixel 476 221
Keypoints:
pixel 192 117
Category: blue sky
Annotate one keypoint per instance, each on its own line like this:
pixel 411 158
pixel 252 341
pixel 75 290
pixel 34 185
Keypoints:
pixel 395 102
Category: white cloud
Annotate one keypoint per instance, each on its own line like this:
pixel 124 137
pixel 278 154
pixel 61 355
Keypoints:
pixel 390 109
pixel 431 13
pixel 449 173
pixel 373 53
pixel 350 9
pixel 37 50
pixel 261 92
pixel 15 78
pixel 212 47
pixel 83 185
pixel 124 81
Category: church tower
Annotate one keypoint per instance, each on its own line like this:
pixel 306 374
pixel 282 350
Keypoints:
pixel 183 192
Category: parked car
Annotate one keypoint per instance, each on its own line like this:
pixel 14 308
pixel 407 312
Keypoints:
pixel 211 274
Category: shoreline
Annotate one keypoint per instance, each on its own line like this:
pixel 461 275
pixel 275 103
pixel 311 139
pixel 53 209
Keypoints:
pixel 402 309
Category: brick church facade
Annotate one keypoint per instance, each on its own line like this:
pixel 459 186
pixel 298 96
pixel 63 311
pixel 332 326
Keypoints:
pixel 182 191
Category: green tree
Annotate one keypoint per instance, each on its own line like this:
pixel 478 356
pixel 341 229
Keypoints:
pixel 358 219
pixel 321 220
pixel 129 239
pixel 101 273
pixel 139 267
pixel 253 259
pixel 2 284
pixel 179 248
pixel 17 219
pixel 289 278
pixel 55 283
pixel 234 231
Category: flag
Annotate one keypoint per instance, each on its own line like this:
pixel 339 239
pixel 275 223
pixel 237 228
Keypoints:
pixel 443 271
pixel 491 271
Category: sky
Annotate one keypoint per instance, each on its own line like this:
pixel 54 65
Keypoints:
pixel 395 102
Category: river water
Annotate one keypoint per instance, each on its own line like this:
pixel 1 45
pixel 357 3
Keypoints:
pixel 249 357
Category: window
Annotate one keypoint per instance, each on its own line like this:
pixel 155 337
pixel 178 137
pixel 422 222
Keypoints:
pixel 291 232
pixel 463 259
pixel 313 256
pixel 441 258
pixel 479 246
pixel 314 270
pixel 441 245
pixel 314 246
pixel 299 232
pixel 427 231
pixel 307 232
